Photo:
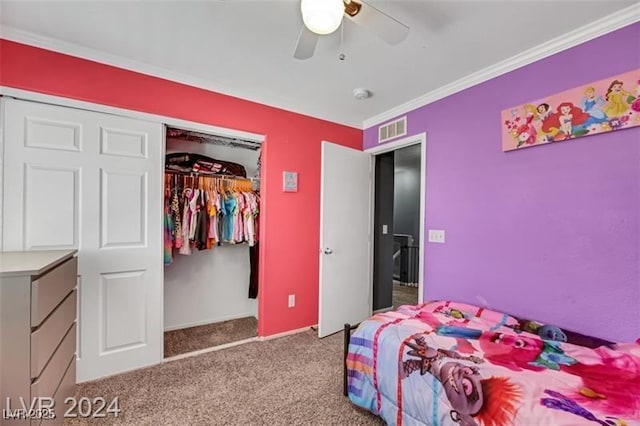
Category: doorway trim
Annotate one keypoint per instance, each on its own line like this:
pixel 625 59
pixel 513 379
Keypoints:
pixel 420 138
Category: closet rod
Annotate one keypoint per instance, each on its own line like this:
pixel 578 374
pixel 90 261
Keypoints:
pixel 205 174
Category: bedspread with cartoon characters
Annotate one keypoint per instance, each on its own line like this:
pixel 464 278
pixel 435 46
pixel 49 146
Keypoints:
pixel 446 363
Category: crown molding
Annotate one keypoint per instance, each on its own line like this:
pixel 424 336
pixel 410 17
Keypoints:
pixel 578 36
pixel 609 23
pixel 76 50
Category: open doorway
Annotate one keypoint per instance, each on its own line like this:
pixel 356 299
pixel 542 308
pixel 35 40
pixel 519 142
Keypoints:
pixel 398 227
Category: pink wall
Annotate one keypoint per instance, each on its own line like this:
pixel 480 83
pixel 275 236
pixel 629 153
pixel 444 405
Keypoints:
pixel 289 223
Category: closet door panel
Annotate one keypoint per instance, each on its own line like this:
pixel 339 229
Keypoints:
pixel 122 311
pixel 51 211
pixel 92 181
pixel 122 273
pixel 123 209
pixel 123 143
pixel 42 168
pixel 52 134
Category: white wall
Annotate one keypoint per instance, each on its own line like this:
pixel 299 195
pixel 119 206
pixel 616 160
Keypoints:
pixel 1 169
pixel 406 202
pixel 209 285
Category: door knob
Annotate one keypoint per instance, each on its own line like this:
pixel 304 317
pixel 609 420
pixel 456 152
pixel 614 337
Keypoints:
pixel 328 251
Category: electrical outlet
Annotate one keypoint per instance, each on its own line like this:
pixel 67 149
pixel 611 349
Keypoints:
pixel 292 300
pixel 436 236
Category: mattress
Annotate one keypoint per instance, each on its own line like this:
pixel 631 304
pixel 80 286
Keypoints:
pixel 447 363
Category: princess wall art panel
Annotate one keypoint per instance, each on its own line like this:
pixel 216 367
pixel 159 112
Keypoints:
pixel 603 106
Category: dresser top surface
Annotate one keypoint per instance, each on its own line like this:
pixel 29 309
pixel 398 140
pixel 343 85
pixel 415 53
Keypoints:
pixel 20 263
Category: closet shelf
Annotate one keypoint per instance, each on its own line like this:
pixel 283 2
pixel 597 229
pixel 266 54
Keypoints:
pixel 193 136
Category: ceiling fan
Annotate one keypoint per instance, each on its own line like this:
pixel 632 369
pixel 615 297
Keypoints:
pixel 323 17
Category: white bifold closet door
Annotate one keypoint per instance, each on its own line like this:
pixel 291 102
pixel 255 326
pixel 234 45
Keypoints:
pixel 92 181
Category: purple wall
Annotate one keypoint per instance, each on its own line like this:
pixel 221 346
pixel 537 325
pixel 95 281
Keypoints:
pixel 550 232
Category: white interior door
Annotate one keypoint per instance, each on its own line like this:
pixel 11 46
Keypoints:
pixel 92 181
pixel 345 238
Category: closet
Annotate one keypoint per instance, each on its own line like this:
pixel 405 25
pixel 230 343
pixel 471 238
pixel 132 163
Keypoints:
pixel 211 215
pixel 78 179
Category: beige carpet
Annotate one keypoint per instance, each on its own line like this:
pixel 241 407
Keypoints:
pixel 404 295
pixel 293 380
pixel 206 336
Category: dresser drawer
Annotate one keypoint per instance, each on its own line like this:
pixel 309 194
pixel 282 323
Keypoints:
pixel 47 383
pixel 66 389
pixel 48 336
pixel 51 288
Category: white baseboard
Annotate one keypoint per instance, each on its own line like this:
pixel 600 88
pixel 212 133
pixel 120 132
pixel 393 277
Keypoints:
pixel 211 349
pixel 287 333
pixel 208 321
pixel 240 342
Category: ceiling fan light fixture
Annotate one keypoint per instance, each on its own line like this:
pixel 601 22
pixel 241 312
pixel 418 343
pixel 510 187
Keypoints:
pixel 322 16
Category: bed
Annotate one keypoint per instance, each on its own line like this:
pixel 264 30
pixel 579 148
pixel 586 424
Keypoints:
pixel 447 363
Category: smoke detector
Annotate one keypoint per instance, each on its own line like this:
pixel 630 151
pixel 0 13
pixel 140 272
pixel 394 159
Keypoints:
pixel 361 94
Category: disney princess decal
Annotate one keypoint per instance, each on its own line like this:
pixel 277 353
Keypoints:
pixel 636 104
pixel 592 104
pixel 618 99
pixel 544 112
pixel 598 107
pixel 525 132
pixel 567 118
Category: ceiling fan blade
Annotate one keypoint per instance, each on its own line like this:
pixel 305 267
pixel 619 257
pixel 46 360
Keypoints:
pixel 306 45
pixel 384 26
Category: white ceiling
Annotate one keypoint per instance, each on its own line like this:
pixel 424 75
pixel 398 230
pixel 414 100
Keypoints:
pixel 244 48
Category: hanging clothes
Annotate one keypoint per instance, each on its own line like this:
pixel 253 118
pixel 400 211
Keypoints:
pixel 214 211
pixel 186 220
pixel 202 227
pixel 254 255
pixel 204 212
pixel 230 210
pixel 168 234
pixel 176 218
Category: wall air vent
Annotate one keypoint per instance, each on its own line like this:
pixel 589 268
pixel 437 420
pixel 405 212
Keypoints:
pixel 392 130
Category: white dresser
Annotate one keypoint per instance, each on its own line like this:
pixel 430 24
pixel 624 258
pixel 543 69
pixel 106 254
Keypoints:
pixel 37 330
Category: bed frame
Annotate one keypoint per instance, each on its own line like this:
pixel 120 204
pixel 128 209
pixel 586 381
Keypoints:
pixel 348 328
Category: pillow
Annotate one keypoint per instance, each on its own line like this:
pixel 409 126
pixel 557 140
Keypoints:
pixel 464 311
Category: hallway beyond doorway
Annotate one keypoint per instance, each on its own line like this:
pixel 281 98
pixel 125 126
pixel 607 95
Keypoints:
pixel 404 294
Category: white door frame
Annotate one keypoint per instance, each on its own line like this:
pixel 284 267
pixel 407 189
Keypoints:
pixel 421 139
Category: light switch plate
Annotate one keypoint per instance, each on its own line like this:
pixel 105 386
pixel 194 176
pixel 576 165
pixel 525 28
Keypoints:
pixel 290 181
pixel 436 236
pixel 385 229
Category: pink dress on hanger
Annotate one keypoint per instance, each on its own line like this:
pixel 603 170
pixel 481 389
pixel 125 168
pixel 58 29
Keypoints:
pixel 238 232
pixel 248 219
pixel 213 215
pixel 186 221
